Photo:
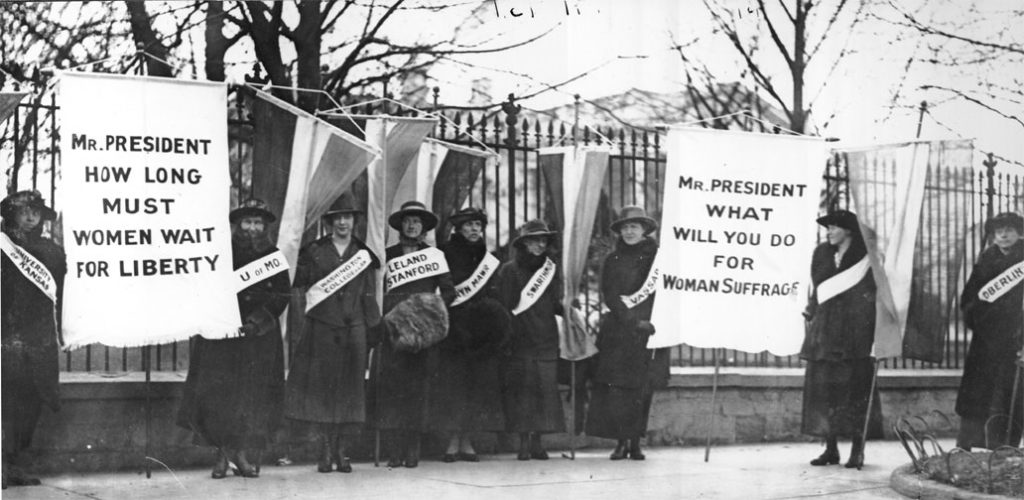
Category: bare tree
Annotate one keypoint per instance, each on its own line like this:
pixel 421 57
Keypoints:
pixel 797 30
pixel 976 49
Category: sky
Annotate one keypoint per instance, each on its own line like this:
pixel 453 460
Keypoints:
pixel 623 45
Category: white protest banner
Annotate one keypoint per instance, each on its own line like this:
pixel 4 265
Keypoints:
pixel 736 239
pixel 145 201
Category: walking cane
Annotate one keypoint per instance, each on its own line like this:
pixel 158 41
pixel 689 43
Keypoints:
pixel 376 406
pixel 1013 395
pixel 867 416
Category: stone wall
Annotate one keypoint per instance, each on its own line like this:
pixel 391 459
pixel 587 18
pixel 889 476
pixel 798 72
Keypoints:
pixel 102 424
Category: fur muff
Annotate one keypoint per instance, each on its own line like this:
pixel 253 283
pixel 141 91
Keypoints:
pixel 417 323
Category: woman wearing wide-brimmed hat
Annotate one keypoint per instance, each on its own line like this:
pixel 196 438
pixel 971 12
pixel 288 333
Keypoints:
pixel 415 319
pixel 837 345
pixel 627 371
pixel 30 326
pixel 465 388
pixel 234 392
pixel 326 383
pixel 991 301
pixel 529 285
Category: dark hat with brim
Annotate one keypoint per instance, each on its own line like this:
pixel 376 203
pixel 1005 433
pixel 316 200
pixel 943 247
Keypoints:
pixel 413 208
pixel 840 218
pixel 1005 219
pixel 467 214
pixel 345 204
pixel 634 213
pixel 252 207
pixel 534 229
pixel 26 199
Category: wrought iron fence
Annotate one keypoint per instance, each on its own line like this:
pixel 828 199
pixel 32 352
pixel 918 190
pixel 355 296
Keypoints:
pixel 515 191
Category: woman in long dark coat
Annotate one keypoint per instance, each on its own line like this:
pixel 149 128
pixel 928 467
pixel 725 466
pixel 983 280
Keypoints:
pixel 327 382
pixel 465 388
pixel 402 385
pixel 30 329
pixel 235 387
pixel 627 371
pixel 838 343
pixel 532 403
pixel 992 299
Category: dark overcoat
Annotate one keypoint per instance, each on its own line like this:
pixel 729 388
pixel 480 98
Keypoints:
pixel 465 387
pixel 327 380
pixel 627 372
pixel 532 402
pixel 402 382
pixel 987 384
pixel 30 341
pixel 837 347
pixel 234 392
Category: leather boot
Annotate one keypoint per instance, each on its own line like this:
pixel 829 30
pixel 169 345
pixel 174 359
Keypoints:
pixel 323 463
pixel 524 446
pixel 412 451
pixel 537 448
pixel 220 466
pixel 856 460
pixel 245 469
pixel 831 454
pixel 339 455
pixel 395 450
pixel 620 450
pixel 634 450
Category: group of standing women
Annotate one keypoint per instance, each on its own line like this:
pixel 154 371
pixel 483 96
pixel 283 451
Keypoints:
pixel 840 333
pixel 465 343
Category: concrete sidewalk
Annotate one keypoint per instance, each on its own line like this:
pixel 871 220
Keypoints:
pixel 769 471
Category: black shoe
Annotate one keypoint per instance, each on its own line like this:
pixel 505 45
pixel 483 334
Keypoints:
pixel 830 457
pixel 344 465
pixel 856 461
pixel 468 457
pixel 411 463
pixel 449 458
pixel 245 469
pixel 220 467
pixel 620 451
pixel 636 454
pixel 523 455
pixel 539 455
pixel 394 462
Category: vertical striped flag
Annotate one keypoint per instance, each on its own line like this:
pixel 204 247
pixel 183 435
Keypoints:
pixel 574 176
pixel 890 187
pixel 301 164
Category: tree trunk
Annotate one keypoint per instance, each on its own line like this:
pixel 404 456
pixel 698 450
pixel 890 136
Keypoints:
pixel 147 41
pixel 216 44
pixel 266 41
pixel 798 117
pixel 307 51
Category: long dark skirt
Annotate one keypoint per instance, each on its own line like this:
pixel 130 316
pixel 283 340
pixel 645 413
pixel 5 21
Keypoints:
pixel 466 392
pixel 836 398
pixel 234 390
pixel 327 380
pixel 532 402
pixel 994 410
pixel 619 412
pixel 21 409
pixel 401 388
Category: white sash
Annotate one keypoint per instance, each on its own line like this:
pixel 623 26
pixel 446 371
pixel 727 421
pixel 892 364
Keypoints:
pixel 414 266
pixel 30 267
pixel 843 281
pixel 1001 284
pixel 260 269
pixel 648 287
pixel 476 281
pixel 337 279
pixel 535 287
